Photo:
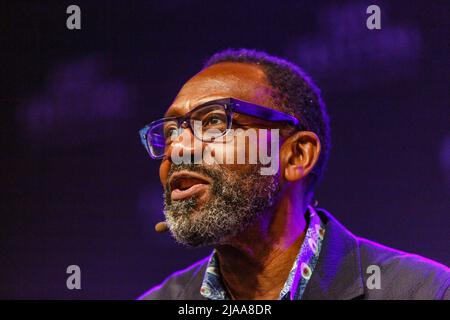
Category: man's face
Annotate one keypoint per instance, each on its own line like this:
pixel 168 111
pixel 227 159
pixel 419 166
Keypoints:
pixel 208 204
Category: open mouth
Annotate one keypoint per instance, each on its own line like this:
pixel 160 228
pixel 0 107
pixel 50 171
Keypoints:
pixel 185 184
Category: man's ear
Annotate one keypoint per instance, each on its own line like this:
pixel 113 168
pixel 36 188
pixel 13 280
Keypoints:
pixel 299 154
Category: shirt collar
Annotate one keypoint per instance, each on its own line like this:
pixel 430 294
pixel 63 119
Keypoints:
pixel 213 288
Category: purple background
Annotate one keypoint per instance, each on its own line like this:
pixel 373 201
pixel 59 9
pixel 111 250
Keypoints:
pixel 78 188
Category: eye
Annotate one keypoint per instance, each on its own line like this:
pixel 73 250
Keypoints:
pixel 170 132
pixel 213 120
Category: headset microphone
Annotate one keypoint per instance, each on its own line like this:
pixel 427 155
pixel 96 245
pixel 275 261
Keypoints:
pixel 161 227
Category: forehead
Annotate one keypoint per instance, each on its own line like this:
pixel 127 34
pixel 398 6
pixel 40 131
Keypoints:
pixel 223 80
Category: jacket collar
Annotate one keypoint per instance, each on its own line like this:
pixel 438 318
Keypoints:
pixel 338 274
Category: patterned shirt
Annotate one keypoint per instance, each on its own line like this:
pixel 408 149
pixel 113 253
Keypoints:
pixel 213 288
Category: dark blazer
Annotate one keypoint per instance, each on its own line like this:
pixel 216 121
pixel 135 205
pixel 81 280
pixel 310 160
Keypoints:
pixel 342 272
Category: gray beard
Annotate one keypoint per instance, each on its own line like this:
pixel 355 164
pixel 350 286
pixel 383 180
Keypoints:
pixel 238 201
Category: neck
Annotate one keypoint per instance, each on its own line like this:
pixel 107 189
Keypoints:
pixel 256 264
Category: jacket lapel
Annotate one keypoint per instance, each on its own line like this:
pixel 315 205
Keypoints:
pixel 192 288
pixel 338 274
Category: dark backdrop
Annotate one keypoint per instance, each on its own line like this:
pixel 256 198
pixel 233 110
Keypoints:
pixel 78 188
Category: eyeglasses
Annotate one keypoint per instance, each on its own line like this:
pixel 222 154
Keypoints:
pixel 208 122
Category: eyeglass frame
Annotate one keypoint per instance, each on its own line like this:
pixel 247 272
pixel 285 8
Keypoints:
pixel 231 105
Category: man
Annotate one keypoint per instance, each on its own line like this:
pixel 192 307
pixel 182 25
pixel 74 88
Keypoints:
pixel 270 241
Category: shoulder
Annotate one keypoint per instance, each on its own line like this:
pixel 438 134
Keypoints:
pixel 402 275
pixel 175 286
pixel 376 271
